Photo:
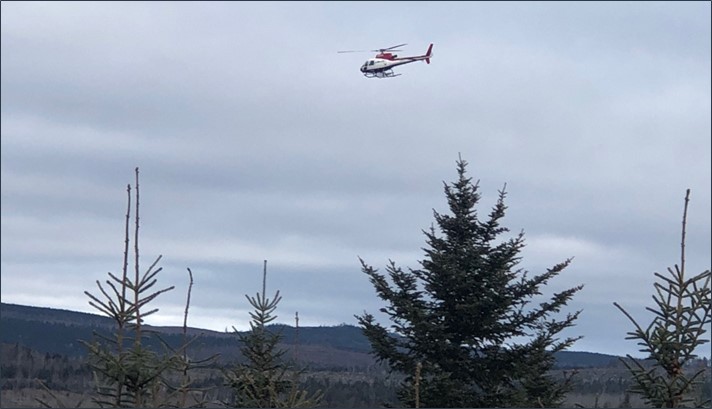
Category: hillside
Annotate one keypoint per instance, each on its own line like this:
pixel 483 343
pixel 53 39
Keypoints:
pixel 43 343
pixel 56 331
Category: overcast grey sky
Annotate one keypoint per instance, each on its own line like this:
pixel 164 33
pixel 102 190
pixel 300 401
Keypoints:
pixel 256 140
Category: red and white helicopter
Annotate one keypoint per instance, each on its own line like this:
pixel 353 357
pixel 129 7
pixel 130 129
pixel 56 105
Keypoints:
pixel 381 66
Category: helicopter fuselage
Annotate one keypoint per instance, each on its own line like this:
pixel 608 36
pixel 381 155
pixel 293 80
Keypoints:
pixel 381 65
pixel 372 66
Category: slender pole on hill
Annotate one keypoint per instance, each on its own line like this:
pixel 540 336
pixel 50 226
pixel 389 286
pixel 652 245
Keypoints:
pixel 296 337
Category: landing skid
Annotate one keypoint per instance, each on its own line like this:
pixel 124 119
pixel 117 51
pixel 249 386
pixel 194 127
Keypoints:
pixel 381 74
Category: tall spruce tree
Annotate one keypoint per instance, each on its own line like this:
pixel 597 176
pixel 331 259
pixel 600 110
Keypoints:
pixel 465 318
pixel 126 372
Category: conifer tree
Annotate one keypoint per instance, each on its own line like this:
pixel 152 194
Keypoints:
pixel 265 380
pixel 126 372
pixel 464 319
pixel 681 318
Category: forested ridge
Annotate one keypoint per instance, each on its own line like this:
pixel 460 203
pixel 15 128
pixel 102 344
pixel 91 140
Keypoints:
pixel 348 379
pixel 55 331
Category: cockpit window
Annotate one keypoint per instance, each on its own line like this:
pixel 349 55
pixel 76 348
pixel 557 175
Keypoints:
pixel 370 63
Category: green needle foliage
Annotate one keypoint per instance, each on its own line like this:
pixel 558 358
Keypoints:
pixel 682 317
pixel 265 380
pixel 466 333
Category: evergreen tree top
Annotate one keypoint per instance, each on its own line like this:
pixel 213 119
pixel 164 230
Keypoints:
pixel 465 316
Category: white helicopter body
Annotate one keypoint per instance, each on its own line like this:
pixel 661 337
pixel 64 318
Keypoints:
pixel 381 66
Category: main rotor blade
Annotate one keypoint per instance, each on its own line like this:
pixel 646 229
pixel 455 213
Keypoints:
pixel 354 51
pixel 391 48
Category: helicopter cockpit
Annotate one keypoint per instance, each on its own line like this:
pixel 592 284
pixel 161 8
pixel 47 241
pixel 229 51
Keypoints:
pixel 367 64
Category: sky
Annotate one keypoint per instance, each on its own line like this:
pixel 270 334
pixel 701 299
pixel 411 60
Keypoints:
pixel 257 141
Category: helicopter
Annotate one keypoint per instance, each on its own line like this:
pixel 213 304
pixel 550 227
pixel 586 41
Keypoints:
pixel 381 66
